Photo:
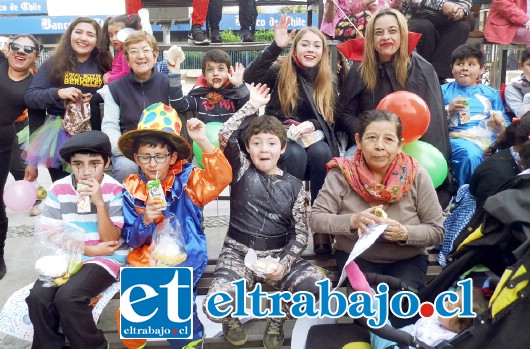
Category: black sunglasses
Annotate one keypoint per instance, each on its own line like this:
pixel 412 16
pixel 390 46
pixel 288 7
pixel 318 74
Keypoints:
pixel 15 47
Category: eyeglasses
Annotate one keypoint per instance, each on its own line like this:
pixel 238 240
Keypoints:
pixel 145 51
pixel 16 47
pixel 159 158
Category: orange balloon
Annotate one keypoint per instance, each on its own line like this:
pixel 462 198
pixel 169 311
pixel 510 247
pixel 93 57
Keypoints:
pixel 411 110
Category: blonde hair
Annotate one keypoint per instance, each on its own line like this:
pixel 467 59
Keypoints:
pixel 323 88
pixel 369 71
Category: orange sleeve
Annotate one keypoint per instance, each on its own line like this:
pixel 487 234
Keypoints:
pixel 205 185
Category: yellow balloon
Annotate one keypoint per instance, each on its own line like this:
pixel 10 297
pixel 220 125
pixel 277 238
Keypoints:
pixel 357 345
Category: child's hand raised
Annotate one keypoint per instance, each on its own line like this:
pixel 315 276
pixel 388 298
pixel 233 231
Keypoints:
pixel 197 132
pixel 236 74
pixel 282 37
pixel 259 95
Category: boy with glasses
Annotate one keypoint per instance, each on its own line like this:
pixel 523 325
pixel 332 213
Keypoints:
pixel 161 153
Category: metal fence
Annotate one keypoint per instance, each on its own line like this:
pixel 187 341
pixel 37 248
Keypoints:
pixel 193 58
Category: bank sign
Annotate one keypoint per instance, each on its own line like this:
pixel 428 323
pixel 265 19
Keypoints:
pixel 35 7
pixel 57 24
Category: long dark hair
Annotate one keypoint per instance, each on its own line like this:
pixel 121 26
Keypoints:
pixel 64 58
pixel 132 21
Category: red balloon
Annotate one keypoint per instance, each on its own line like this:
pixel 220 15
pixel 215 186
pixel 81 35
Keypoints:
pixel 411 110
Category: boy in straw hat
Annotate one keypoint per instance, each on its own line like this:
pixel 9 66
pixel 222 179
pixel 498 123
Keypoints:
pixel 161 153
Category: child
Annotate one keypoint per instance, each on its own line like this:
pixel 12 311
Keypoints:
pixel 267 214
pixel 162 153
pixel 111 27
pixel 88 154
pixel 517 94
pixel 434 329
pixel 219 91
pixel 468 103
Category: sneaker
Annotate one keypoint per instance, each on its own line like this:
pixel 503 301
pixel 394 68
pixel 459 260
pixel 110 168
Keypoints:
pixel 196 36
pixel 35 211
pixel 273 338
pixel 215 36
pixel 246 35
pixel 234 333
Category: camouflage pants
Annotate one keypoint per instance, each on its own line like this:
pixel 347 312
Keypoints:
pixel 231 267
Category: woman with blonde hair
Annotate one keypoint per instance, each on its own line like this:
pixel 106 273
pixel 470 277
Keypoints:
pixel 303 93
pixel 389 65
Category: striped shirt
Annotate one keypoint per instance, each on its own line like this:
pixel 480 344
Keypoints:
pixel 61 205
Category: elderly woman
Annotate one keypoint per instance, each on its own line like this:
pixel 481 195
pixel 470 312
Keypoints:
pixel 388 66
pixel 126 98
pixel 15 79
pixel 380 174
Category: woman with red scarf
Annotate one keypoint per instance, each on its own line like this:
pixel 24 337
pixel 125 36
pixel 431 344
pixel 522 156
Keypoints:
pixel 379 175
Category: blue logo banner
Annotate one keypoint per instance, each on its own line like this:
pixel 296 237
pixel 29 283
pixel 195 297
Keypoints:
pixel 156 303
pixel 35 7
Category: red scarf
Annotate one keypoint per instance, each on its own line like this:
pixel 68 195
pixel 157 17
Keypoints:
pixel 396 184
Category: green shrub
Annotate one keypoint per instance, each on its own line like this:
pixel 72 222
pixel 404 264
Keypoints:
pixel 230 36
pixel 263 35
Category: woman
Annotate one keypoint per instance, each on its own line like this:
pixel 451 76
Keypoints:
pixel 302 91
pixel 380 174
pixel 347 19
pixel 506 158
pixel 508 22
pixel 126 98
pixel 15 79
pixel 76 68
pixel 389 66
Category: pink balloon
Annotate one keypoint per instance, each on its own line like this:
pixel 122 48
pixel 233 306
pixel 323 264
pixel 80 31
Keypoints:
pixel 20 196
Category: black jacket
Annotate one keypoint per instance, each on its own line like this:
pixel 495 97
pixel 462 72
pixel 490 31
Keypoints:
pixel 264 70
pixel 422 80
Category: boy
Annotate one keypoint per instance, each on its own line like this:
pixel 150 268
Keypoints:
pixel 88 154
pixel 468 103
pixel 267 214
pixel 162 153
pixel 219 91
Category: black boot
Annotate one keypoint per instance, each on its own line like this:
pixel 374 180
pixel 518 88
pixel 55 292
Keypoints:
pixel 3 234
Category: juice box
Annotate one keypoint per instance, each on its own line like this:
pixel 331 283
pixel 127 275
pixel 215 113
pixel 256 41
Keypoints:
pixel 156 193
pixel 83 202
pixel 465 114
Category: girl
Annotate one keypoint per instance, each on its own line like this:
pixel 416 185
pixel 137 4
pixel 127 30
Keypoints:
pixel 111 27
pixel 75 68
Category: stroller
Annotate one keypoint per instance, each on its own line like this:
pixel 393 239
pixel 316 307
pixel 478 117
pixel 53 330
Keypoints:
pixel 498 237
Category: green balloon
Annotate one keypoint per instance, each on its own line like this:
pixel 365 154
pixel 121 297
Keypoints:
pixel 212 133
pixel 430 158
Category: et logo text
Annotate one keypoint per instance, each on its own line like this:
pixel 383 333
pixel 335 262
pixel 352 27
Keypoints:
pixel 156 303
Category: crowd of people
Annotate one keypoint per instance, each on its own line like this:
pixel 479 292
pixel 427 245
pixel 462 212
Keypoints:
pixel 264 159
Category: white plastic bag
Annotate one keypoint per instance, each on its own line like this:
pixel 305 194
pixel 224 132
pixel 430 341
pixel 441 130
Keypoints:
pixel 58 250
